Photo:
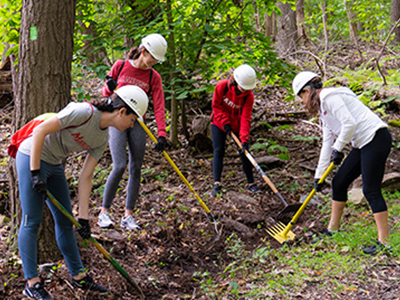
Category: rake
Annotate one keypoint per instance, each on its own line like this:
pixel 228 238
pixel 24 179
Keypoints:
pixel 98 246
pixel 289 210
pixel 171 162
pixel 283 233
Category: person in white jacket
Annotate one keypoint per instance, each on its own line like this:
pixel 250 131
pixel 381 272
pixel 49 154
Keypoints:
pixel 345 120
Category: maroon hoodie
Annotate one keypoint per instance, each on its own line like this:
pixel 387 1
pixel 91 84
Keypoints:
pixel 232 109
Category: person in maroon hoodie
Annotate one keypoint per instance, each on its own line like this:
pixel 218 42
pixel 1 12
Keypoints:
pixel 231 112
pixel 137 70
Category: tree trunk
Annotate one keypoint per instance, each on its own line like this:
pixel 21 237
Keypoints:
pixel 256 17
pixel 287 29
pixel 325 21
pixel 353 27
pixel 301 29
pixel 43 81
pixel 270 25
pixel 172 62
pixel 394 16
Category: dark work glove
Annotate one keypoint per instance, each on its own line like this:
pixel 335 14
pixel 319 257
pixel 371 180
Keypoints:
pixel 161 144
pixel 337 157
pixel 38 182
pixel 227 128
pixel 111 83
pixel 318 186
pixel 84 231
pixel 245 146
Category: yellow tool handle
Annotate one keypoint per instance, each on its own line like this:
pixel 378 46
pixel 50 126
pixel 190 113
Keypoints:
pixel 255 164
pixel 303 206
pixel 153 138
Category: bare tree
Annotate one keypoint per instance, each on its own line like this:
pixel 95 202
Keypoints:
pixel 270 25
pixel 42 82
pixel 301 31
pixel 287 37
pixel 353 26
pixel 394 16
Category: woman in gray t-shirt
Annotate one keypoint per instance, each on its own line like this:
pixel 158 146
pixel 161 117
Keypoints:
pixel 78 127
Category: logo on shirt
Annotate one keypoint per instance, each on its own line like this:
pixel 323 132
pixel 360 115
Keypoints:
pixel 231 104
pixel 79 140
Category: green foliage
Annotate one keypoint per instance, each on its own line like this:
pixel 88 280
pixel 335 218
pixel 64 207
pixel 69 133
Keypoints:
pixel 266 273
pixel 374 16
pixel 10 20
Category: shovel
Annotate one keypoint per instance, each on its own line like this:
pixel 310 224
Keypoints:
pixel 171 162
pixel 289 210
pixel 283 233
pixel 98 246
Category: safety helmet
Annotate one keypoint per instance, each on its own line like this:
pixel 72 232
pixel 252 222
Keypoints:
pixel 301 80
pixel 156 45
pixel 245 76
pixel 135 98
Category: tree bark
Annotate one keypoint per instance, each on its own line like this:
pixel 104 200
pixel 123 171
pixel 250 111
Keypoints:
pixel 174 101
pixel 43 82
pixel 394 16
pixel 353 27
pixel 287 37
pixel 270 25
pixel 300 18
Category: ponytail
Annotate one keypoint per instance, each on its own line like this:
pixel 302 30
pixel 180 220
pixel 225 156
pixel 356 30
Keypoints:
pixel 135 52
pixel 111 104
pixel 313 101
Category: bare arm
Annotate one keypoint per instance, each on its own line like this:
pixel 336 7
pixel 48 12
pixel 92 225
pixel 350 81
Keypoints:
pixel 85 186
pixel 39 133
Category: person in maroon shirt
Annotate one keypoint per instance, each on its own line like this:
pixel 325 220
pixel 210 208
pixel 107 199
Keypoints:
pixel 231 112
pixel 136 70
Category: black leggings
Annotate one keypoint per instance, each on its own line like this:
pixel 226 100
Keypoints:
pixel 219 137
pixel 369 161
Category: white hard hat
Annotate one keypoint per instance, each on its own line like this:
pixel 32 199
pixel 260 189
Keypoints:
pixel 156 45
pixel 245 76
pixel 135 98
pixel 301 80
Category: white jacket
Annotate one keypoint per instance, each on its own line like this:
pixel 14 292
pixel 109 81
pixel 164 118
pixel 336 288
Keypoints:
pixel 345 119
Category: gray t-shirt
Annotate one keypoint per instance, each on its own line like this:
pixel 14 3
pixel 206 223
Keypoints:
pixel 74 136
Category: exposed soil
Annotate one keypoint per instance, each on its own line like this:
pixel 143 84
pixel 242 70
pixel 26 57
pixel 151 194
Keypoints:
pixel 176 237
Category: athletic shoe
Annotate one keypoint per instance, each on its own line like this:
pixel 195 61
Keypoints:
pixel 87 283
pixel 129 223
pixel 105 220
pixel 216 190
pixel 253 188
pixel 375 249
pixel 323 235
pixel 37 291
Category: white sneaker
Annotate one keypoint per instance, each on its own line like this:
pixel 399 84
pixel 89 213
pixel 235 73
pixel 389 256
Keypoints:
pixel 105 220
pixel 129 223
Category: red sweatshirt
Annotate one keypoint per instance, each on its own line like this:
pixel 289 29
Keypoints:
pixel 134 76
pixel 232 109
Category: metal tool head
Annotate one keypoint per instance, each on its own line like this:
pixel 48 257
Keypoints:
pixel 278 232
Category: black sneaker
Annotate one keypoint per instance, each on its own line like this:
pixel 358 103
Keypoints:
pixel 322 235
pixel 87 283
pixel 253 188
pixel 216 190
pixel 375 249
pixel 37 291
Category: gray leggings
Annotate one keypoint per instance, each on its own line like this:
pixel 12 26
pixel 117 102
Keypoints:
pixel 136 139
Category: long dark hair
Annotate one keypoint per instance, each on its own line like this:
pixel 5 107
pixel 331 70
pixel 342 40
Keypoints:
pixel 232 82
pixel 313 102
pixel 135 52
pixel 111 104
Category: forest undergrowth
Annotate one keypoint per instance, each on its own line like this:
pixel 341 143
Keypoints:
pixel 177 253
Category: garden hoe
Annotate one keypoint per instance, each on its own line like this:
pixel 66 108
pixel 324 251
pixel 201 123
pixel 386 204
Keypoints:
pixel 282 233
pixel 289 210
pixel 98 246
pixel 209 213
